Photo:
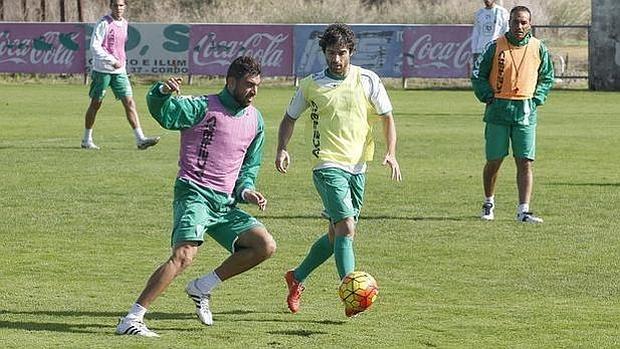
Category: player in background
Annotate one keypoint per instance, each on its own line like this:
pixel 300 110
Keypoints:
pixel 339 98
pixel 513 78
pixel 490 22
pixel 221 147
pixel 107 45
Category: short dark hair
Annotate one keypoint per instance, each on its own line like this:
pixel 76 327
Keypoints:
pixel 242 66
pixel 338 34
pixel 521 9
pixel 126 2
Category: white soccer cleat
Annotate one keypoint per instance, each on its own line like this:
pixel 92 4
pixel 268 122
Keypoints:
pixel 202 303
pixel 528 217
pixel 129 326
pixel 147 142
pixel 487 212
pixel 89 145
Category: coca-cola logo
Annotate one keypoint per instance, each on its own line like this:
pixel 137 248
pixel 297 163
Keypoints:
pixel 264 47
pixel 425 52
pixel 51 48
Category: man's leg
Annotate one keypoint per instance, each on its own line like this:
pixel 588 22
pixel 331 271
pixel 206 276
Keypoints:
pixel 131 112
pixel 122 90
pixel 89 123
pixel 489 176
pixel 525 183
pixel 321 250
pixel 524 150
pixel 91 113
pixel 343 246
pixel 497 138
pixel 133 323
pixel 250 249
pixel 525 179
pixel 182 257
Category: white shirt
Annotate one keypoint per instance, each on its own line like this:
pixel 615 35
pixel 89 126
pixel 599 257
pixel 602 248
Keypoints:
pixel 103 61
pixel 375 93
pixel 489 24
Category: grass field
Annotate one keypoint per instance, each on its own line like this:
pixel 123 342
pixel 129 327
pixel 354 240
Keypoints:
pixel 80 232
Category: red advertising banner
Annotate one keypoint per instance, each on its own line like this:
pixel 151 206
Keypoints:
pixel 42 48
pixel 441 51
pixel 213 47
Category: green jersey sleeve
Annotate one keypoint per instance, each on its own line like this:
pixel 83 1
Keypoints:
pixel 545 76
pixel 175 112
pixel 251 163
pixel 481 72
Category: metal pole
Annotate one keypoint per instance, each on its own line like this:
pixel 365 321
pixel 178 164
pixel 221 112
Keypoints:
pixel 1 10
pixel 42 10
pixel 62 10
pixel 80 11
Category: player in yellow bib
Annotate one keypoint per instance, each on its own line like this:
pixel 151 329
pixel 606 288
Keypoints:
pixel 343 101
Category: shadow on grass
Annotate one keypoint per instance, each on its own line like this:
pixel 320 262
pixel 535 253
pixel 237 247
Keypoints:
pixel 298 333
pixel 380 217
pixel 54 326
pixel 110 324
pixel 584 184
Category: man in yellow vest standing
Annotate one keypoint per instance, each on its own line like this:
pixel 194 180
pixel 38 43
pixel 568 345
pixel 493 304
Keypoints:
pixel 340 99
pixel 513 78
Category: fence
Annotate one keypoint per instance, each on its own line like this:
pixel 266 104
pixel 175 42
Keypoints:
pixel 401 51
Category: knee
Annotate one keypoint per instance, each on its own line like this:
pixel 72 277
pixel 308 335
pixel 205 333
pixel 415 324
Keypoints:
pixel 95 104
pixel 267 247
pixel 181 262
pixel 183 257
pixel 129 102
pixel 345 227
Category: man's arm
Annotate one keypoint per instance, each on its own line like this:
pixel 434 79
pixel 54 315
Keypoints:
pixel 175 113
pixel 251 165
pixel 475 33
pixel 480 75
pixel 285 132
pixel 505 18
pixel 545 76
pixel 96 46
pixel 389 133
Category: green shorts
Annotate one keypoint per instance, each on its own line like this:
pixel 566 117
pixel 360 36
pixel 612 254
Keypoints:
pixel 499 137
pixel 198 210
pixel 118 82
pixel 342 193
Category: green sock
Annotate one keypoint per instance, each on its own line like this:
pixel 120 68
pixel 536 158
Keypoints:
pixel 320 251
pixel 343 253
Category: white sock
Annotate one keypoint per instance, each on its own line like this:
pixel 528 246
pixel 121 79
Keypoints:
pixel 523 208
pixel 208 282
pixel 88 135
pixel 138 133
pixel 490 200
pixel 137 312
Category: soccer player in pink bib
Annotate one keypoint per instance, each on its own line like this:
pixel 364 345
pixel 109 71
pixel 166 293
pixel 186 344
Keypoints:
pixel 222 138
pixel 107 45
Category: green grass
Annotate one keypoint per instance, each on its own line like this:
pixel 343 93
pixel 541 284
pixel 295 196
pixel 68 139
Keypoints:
pixel 81 231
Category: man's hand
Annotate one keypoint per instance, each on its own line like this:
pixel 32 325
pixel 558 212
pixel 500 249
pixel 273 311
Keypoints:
pixel 390 160
pixel 172 85
pixel 282 160
pixel 256 198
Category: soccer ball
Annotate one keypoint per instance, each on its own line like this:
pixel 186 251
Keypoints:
pixel 358 291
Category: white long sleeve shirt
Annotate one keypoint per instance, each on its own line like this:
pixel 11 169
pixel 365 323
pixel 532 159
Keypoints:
pixel 107 45
pixel 489 24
